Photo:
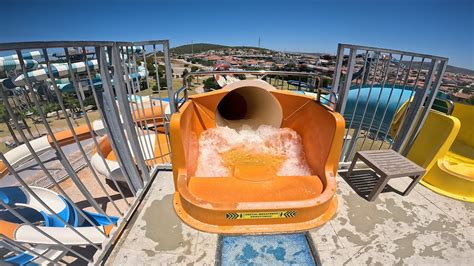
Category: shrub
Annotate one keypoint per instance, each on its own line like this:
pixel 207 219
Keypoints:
pixel 326 82
pixel 210 83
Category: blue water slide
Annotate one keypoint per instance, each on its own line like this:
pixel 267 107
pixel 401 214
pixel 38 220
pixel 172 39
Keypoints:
pixel 379 105
pixel 19 199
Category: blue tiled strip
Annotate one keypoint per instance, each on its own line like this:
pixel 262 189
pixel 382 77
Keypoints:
pixel 283 249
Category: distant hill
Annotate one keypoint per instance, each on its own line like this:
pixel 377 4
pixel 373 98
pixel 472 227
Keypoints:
pixel 203 47
pixel 459 70
pixel 197 48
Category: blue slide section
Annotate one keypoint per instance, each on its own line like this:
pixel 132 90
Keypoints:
pixel 17 198
pixel 365 100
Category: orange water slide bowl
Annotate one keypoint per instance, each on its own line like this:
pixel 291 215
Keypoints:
pixel 254 199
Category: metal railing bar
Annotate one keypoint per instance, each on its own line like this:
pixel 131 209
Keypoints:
pixel 400 98
pixel 111 119
pixel 150 42
pixel 13 249
pixel 337 77
pixel 393 51
pixel 151 106
pixel 131 68
pixel 131 91
pixel 347 82
pixel 354 139
pixel 366 69
pixel 99 151
pixel 386 107
pixel 20 249
pixel 73 175
pixel 397 143
pixel 48 175
pixel 32 193
pixel 252 72
pixel 91 132
pixel 169 77
pixel 433 90
pixel 129 125
pixel 51 44
pixel 157 139
pixel 163 114
pixel 35 156
pixel 36 228
pixel 378 99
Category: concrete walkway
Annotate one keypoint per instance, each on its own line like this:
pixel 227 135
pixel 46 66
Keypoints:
pixel 422 228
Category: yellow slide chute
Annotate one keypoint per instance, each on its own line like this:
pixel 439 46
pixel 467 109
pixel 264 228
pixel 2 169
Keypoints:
pixel 445 147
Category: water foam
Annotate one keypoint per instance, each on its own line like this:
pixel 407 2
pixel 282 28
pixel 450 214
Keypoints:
pixel 265 140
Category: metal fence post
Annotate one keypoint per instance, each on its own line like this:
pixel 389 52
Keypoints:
pixel 169 76
pixel 114 126
pixel 341 103
pixel 428 103
pixel 124 104
pixel 413 113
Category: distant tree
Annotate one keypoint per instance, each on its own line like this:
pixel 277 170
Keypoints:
pixel 289 67
pixel 326 82
pixel 5 118
pixel 326 57
pixel 274 67
pixel 241 76
pixel 89 100
pixel 210 84
pixel 71 102
pixel 51 107
pixel 194 68
pixel 471 100
pixel 185 72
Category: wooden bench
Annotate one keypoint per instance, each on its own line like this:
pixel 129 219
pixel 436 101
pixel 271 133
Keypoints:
pixel 387 164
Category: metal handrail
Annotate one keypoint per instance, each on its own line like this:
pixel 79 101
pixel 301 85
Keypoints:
pixel 393 51
pixel 58 44
pixel 180 101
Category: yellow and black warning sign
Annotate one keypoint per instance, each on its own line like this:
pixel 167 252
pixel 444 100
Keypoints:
pixel 260 215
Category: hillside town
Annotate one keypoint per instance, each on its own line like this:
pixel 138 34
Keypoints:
pixel 458 85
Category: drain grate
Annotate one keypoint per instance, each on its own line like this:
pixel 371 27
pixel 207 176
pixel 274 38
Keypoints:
pixel 281 249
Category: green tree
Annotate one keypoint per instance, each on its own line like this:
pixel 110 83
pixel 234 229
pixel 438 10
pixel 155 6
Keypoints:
pixel 210 84
pixel 5 118
pixel 89 100
pixel 51 107
pixel 471 100
pixel 71 102
pixel 185 72
pixel 326 82
pixel 194 68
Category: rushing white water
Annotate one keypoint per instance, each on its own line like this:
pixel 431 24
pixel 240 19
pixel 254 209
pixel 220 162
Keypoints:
pixel 283 143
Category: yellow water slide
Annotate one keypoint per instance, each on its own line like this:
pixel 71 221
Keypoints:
pixel 452 174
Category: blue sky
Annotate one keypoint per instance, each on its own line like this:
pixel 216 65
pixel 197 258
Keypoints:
pixel 439 27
